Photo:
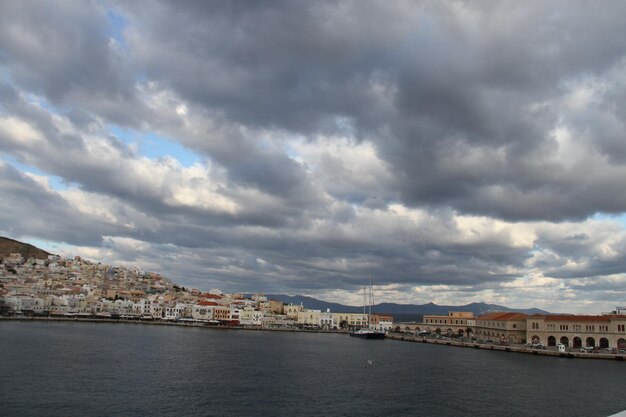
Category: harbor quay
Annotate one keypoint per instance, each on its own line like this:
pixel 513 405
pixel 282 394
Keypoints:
pixel 604 333
pixel 507 348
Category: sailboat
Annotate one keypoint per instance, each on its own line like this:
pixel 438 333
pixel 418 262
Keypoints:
pixel 368 332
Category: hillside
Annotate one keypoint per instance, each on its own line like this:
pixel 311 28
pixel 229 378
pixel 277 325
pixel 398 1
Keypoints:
pixel 9 246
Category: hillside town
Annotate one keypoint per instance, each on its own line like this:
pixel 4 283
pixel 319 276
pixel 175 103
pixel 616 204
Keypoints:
pixel 59 287
pixel 76 287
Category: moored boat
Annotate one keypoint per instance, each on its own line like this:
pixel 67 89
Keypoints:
pixel 368 332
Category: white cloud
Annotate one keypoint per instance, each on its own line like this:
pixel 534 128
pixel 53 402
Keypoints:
pixel 19 132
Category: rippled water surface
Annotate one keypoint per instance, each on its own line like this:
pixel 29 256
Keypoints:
pixel 99 369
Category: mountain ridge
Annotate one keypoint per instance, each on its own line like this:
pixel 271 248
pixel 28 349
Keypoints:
pixel 408 311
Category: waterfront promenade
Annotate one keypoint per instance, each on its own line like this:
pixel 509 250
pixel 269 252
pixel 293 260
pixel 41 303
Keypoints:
pixel 171 323
pixel 504 348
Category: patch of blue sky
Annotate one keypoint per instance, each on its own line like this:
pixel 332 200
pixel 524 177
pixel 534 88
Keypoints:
pixel 153 146
pixel 56 248
pixel 291 152
pixel 56 183
pixel 620 217
pixel 117 24
pixel 47 245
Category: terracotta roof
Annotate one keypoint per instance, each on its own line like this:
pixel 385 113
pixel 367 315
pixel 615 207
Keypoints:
pixel 214 296
pixel 578 318
pixel 503 316
pixel 207 303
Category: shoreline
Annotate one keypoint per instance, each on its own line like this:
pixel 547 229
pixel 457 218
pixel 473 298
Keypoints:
pixel 506 348
pixel 166 323
pixel 390 336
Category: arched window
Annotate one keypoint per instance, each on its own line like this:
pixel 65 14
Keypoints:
pixel 604 343
pixel 577 342
pixel 564 340
pixel 551 341
pixel 621 343
pixel 590 342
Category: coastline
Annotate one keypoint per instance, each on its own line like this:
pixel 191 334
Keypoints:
pixel 390 336
pixel 167 323
pixel 505 348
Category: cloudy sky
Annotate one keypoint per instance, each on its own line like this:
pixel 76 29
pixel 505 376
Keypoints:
pixel 453 151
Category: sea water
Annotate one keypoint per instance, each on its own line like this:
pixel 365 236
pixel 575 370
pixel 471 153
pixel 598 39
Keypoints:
pixel 101 369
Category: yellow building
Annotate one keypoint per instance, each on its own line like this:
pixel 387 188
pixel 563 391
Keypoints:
pixel 508 327
pixel 457 318
pixel 457 322
pixel 291 311
pixel 308 318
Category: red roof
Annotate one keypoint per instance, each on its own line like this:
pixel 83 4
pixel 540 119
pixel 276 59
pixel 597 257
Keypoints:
pixel 578 318
pixel 207 303
pixel 503 316
pixel 214 296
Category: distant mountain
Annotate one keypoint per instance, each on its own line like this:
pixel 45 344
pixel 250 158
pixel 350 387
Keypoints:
pixel 431 308
pixel 9 246
pixel 401 312
pixel 313 303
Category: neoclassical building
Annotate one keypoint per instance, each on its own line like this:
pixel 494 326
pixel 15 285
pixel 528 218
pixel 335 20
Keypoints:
pixel 499 326
pixel 458 322
pixel 606 331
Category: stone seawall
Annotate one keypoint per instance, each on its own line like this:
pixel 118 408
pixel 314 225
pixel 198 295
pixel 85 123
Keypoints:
pixel 505 348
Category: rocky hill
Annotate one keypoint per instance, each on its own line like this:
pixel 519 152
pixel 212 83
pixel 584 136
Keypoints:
pixel 9 246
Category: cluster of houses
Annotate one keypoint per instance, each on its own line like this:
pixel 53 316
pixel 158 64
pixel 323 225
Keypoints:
pixel 80 288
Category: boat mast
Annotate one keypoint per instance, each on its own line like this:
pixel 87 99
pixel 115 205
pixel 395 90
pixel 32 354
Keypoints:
pixel 364 299
pixel 371 301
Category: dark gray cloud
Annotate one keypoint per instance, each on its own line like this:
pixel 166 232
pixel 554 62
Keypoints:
pixel 28 209
pixel 64 51
pixel 430 84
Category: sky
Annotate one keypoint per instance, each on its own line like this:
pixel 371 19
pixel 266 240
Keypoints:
pixel 453 151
